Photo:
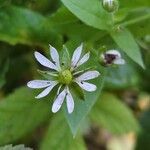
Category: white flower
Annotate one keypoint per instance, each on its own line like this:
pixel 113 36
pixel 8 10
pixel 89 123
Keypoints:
pixel 64 77
pixel 112 57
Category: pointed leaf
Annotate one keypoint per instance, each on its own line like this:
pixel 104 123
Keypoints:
pixel 85 9
pixel 82 108
pixel 127 43
pixel 78 91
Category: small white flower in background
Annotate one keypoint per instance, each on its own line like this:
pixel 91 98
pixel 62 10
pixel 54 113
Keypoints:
pixel 64 77
pixel 112 57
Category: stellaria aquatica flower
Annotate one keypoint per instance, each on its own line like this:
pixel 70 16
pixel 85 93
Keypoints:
pixel 65 77
pixel 111 57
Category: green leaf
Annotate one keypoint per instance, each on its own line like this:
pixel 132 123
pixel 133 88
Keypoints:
pixel 65 23
pixel 113 115
pixel 21 113
pixel 127 43
pixel 78 91
pixel 24 26
pixel 90 12
pixel 120 77
pixel 82 108
pixel 62 17
pixel 59 137
pixel 137 16
pixel 17 147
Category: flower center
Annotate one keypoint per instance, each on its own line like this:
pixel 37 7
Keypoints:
pixel 65 77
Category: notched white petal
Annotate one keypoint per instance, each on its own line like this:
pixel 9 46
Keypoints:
pixel 76 55
pixel 119 61
pixel 46 91
pixel 114 52
pixel 70 102
pixel 58 101
pixel 44 61
pixel 36 84
pixel 87 86
pixel 83 59
pixel 55 56
pixel 88 75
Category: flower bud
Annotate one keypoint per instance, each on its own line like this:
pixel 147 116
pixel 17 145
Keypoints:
pixel 110 5
pixel 111 57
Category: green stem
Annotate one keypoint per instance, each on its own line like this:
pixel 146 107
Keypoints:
pixel 113 20
pixel 136 20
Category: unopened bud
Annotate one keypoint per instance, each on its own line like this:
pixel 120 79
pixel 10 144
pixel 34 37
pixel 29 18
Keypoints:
pixel 110 5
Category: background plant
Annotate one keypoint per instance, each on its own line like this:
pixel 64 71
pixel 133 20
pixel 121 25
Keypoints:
pixel 121 103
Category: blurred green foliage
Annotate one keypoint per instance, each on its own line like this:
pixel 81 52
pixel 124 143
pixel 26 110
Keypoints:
pixel 29 25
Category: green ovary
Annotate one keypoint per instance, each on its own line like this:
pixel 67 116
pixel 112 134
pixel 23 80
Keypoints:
pixel 65 77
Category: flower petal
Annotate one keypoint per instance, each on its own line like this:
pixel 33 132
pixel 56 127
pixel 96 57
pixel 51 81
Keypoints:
pixel 46 91
pixel 102 56
pixel 58 102
pixel 114 52
pixel 44 61
pixel 87 86
pixel 88 75
pixel 76 55
pixel 119 61
pixel 83 59
pixel 36 84
pixel 55 56
pixel 70 102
